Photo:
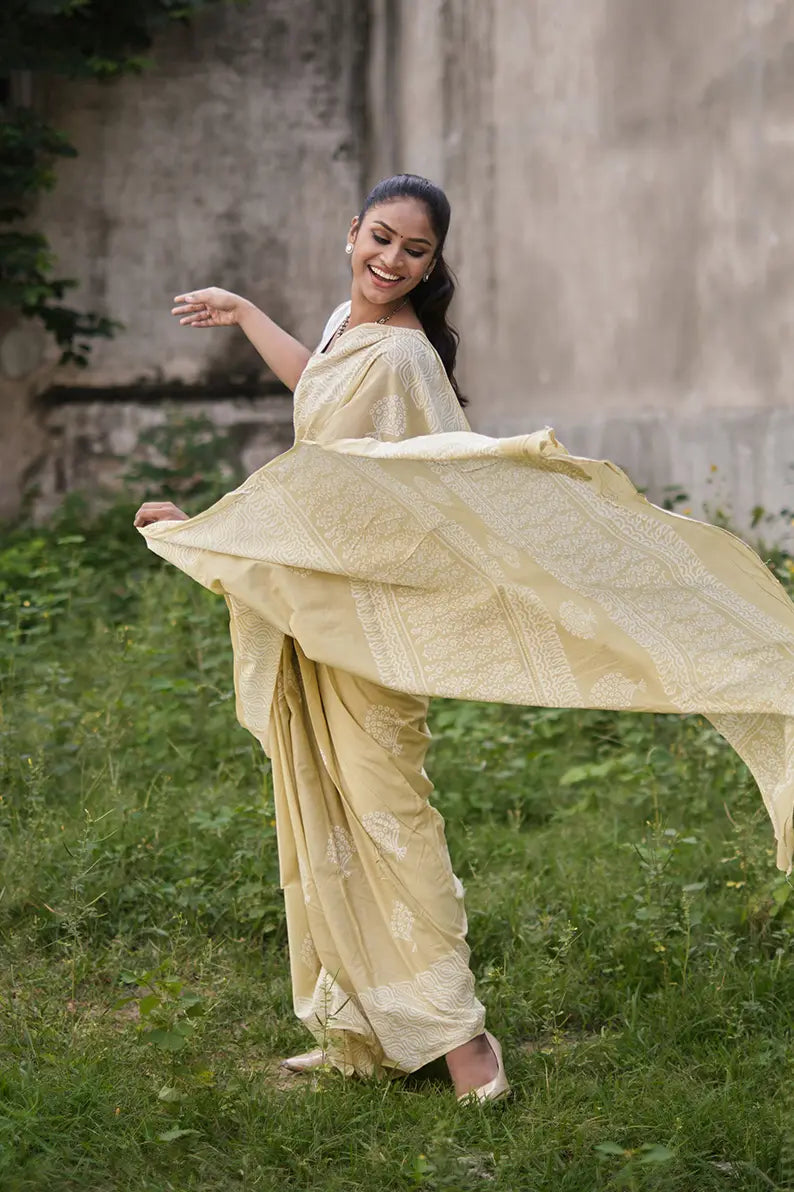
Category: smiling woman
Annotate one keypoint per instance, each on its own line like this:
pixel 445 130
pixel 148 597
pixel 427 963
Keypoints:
pixel 404 256
pixel 392 555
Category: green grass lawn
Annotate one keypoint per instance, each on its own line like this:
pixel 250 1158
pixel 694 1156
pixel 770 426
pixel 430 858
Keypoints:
pixel 630 934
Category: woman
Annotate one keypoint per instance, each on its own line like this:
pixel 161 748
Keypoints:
pixel 392 555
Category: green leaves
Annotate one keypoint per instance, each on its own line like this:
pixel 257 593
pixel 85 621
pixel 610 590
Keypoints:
pixel 591 770
pixel 649 1152
pixel 73 39
pixel 165 1040
pixel 174 1133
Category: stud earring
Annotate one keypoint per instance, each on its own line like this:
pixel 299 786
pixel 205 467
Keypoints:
pixel 348 249
pixel 426 276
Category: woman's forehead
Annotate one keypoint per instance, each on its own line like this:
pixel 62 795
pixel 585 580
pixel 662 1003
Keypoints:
pixel 406 216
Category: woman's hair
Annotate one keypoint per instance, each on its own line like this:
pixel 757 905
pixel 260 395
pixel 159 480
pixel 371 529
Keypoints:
pixel 430 298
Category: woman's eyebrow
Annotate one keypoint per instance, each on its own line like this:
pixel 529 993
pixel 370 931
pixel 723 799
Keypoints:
pixel 416 239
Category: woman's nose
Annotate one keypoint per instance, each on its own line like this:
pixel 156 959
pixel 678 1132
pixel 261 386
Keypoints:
pixel 393 258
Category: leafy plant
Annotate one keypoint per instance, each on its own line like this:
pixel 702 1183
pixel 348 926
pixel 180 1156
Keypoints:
pixel 95 39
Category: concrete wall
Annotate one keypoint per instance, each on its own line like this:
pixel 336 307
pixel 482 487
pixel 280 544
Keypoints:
pixel 619 171
pixel 621 174
pixel 236 161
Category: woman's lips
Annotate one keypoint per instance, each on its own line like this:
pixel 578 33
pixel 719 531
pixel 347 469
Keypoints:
pixel 383 285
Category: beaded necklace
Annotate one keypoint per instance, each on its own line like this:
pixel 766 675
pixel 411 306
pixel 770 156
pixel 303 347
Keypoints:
pixel 343 325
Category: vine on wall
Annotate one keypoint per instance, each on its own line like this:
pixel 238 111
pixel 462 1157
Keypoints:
pixel 74 39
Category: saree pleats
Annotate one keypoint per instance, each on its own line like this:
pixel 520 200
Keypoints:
pixel 375 915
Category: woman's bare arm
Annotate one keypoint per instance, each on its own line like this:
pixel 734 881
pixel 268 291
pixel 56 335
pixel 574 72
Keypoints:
pixel 213 307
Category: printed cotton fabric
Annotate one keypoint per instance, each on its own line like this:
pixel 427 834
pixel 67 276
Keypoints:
pixel 395 546
pixel 375 915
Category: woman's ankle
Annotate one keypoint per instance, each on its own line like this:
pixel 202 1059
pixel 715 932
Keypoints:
pixel 472 1065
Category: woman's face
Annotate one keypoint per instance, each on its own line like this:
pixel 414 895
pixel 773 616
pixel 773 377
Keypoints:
pixel 392 249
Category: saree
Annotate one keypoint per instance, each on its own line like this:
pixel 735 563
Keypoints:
pixel 392 555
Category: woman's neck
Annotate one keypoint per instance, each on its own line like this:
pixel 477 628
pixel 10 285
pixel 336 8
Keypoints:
pixel 362 311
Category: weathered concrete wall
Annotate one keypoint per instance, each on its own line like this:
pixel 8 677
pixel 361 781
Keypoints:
pixel 88 444
pixel 619 173
pixel 235 161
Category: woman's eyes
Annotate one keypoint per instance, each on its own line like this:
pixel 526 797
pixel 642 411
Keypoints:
pixel 412 252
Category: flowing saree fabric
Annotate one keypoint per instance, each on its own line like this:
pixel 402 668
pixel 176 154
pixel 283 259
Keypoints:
pixel 394 544
pixel 375 915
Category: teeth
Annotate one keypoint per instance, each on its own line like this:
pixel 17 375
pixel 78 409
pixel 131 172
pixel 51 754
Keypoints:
pixel 385 276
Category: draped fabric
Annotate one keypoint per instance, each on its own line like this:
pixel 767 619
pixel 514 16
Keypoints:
pixel 393 543
pixel 376 922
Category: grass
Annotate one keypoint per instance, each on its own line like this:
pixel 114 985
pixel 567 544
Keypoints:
pixel 630 934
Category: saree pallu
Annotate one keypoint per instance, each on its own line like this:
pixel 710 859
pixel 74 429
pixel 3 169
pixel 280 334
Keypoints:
pixel 392 546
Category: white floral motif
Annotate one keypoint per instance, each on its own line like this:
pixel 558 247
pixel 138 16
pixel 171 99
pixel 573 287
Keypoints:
pixel 383 724
pixel 388 415
pixel 384 829
pixel 341 849
pixel 500 548
pixel 309 952
pixel 433 492
pixel 616 690
pixel 581 622
pixel 402 923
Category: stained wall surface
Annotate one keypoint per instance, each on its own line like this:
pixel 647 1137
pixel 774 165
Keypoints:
pixel 620 174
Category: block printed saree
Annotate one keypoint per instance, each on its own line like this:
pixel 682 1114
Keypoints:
pixel 392 555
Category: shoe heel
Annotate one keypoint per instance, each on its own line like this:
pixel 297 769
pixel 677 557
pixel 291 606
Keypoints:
pixel 496 1089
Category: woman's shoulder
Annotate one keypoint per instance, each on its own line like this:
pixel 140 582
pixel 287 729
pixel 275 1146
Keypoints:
pixel 402 347
pixel 333 321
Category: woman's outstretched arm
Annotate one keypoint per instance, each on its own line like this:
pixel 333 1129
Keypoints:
pixel 214 307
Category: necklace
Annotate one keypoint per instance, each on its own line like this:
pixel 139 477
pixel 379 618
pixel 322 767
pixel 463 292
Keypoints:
pixel 383 319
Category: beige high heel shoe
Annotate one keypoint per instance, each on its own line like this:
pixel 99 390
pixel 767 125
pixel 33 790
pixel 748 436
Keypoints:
pixel 306 1062
pixel 495 1089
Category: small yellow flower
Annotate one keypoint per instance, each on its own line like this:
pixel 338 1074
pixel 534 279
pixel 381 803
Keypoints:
pixel 735 885
pixel 714 468
pixel 26 603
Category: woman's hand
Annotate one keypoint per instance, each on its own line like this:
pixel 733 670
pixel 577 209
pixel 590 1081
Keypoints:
pixel 209 308
pixel 285 356
pixel 154 511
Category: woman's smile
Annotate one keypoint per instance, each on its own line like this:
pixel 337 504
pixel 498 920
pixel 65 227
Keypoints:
pixel 382 278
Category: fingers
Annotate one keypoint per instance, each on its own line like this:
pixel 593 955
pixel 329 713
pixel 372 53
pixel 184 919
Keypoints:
pixel 152 511
pixel 195 315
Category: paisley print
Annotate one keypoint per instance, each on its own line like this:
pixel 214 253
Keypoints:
pixel 383 723
pixel 384 829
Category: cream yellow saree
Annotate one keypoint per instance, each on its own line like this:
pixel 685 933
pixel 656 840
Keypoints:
pixel 392 555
